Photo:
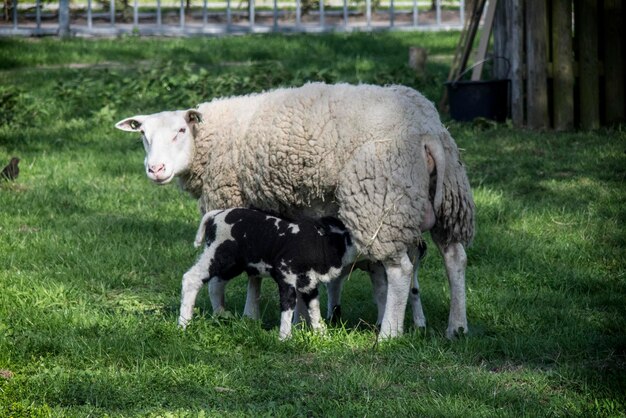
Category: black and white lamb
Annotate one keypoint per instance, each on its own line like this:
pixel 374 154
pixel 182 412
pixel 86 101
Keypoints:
pixel 297 254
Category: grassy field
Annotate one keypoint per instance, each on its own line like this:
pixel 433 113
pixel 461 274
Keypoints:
pixel 92 254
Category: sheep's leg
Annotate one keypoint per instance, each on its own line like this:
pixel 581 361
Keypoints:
pixel 419 320
pixel 252 310
pixel 287 294
pixel 193 280
pixel 334 289
pixel 398 284
pixel 313 306
pixel 455 259
pixel 217 288
pixel 379 283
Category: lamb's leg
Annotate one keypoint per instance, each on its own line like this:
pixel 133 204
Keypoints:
pixel 251 310
pixel 301 313
pixel 416 255
pixel 313 306
pixel 287 294
pixel 334 289
pixel 193 280
pixel 398 284
pixel 455 259
pixel 217 288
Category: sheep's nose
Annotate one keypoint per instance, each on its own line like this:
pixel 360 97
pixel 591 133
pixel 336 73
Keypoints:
pixel 156 168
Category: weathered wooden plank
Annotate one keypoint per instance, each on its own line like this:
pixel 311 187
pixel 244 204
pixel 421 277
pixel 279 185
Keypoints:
pixel 562 65
pixel 614 60
pixel 537 64
pixel 501 41
pixel 484 40
pixel 509 53
pixel 589 75
pixel 516 58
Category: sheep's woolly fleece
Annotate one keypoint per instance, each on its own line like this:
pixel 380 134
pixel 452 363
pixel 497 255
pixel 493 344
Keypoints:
pixel 355 148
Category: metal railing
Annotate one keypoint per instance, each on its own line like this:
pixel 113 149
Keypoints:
pixel 211 17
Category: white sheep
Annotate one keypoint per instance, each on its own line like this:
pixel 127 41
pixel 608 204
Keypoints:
pixel 361 153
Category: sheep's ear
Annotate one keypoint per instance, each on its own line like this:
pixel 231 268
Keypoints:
pixel 132 124
pixel 193 116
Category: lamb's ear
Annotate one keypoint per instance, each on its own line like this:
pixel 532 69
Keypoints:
pixel 132 124
pixel 193 116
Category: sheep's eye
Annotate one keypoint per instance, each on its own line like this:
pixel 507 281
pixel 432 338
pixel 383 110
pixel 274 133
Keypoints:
pixel 182 130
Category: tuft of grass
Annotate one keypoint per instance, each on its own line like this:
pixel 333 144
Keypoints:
pixel 91 254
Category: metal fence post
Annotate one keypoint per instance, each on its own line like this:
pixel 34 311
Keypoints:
pixel 159 20
pixel 89 15
pixel 229 16
pixel 298 14
pixel 345 13
pixel 275 27
pixel 368 12
pixel 112 11
pixel 205 17
pixel 38 14
pixel 322 20
pixel 14 14
pixel 136 15
pixel 462 12
pixel 251 12
pixel 182 14
pixel 64 18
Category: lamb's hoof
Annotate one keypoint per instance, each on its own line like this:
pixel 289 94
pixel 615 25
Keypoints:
pixel 455 333
pixel 335 317
pixel 320 329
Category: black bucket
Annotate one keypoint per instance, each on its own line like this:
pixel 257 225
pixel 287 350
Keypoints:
pixel 479 99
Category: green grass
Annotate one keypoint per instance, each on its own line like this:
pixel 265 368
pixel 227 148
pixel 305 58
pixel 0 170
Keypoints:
pixel 92 254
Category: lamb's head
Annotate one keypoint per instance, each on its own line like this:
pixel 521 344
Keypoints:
pixel 168 138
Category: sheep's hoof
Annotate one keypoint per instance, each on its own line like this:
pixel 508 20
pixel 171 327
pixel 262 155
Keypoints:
pixel 419 323
pixel 384 335
pixel 454 333
pixel 223 314
pixel 284 337
pixel 253 315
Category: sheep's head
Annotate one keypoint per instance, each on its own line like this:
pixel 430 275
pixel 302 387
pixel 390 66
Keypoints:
pixel 168 140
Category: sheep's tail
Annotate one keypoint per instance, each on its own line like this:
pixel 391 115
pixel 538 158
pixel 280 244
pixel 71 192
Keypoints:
pixel 433 147
pixel 455 217
pixel 200 234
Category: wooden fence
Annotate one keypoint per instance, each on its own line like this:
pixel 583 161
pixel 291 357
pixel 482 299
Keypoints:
pixel 565 61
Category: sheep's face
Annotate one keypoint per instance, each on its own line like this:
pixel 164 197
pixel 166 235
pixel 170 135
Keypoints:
pixel 168 140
